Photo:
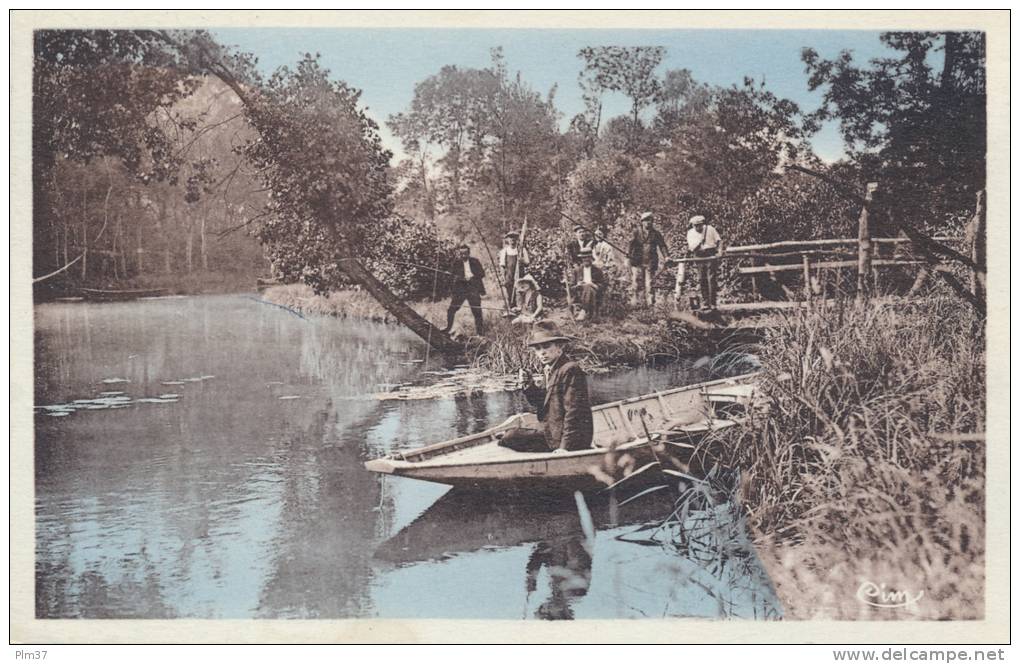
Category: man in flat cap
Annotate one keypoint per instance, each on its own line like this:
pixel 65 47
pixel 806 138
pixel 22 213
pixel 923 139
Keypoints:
pixel 564 407
pixel 704 242
pixel 645 247
pixel 582 240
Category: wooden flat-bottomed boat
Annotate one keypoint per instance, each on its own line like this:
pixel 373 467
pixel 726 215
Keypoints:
pixel 107 295
pixel 683 416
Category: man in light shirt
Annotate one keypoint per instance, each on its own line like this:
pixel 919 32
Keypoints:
pixel 704 242
pixel 602 253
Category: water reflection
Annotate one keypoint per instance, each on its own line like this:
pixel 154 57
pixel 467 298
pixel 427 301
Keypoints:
pixel 568 563
pixel 246 496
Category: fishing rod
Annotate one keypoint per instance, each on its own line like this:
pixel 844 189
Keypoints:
pixel 492 261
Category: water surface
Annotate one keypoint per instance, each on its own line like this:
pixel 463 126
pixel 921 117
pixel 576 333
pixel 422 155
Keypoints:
pixel 202 457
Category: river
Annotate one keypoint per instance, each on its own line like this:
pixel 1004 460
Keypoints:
pixel 202 457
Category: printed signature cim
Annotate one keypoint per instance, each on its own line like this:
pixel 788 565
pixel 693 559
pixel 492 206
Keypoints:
pixel 886 598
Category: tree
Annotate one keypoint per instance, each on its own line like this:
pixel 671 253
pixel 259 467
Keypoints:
pixel 520 158
pixel 448 110
pixel 680 99
pixel 630 70
pixel 728 141
pixel 413 171
pixel 94 94
pixel 321 158
pixel 915 123
pixel 504 156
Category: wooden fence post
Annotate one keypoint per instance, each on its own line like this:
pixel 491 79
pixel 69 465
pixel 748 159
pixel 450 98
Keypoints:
pixel 864 243
pixel 807 276
pixel 976 237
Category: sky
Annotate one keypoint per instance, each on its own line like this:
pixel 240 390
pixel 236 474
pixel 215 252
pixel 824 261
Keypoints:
pixel 387 63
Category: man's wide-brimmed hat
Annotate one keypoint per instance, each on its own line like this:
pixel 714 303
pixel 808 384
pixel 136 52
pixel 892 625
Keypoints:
pixel 513 234
pixel 545 332
pixel 697 219
pixel 645 216
pixel 527 279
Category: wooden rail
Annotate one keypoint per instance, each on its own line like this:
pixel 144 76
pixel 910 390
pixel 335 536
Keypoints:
pixel 764 251
pixel 806 266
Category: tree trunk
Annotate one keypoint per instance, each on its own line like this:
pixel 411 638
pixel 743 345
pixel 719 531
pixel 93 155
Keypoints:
pixel 455 176
pixel 84 236
pixel 864 243
pixel 123 246
pixel 140 252
pixel 427 195
pixel 407 316
pixel 202 245
pixel 949 63
pixel 189 245
pixel 975 235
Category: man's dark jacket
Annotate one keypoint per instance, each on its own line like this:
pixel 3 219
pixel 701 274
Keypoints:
pixel 457 282
pixel 564 408
pixel 640 243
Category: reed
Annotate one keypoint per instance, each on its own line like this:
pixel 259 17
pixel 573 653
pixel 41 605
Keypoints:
pixel 863 467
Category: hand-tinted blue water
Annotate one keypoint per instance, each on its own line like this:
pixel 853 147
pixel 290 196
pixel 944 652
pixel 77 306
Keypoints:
pixel 202 457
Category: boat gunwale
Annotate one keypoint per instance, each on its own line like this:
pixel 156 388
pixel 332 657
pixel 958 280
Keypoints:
pixel 525 457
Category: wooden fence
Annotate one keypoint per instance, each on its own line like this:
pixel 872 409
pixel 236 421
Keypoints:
pixel 868 254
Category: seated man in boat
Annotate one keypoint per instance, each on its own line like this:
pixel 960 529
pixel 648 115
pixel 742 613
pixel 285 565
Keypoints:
pixel 564 408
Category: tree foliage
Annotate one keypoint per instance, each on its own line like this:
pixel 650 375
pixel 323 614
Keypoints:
pixel 95 94
pixel 133 168
pixel 626 69
pixel 494 143
pixel 915 122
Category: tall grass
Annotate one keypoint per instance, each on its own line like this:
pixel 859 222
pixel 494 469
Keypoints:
pixel 864 466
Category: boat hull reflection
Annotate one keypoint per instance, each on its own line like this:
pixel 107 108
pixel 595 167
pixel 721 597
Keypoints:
pixel 463 521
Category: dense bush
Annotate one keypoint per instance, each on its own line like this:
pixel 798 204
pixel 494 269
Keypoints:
pixel 547 251
pixel 409 256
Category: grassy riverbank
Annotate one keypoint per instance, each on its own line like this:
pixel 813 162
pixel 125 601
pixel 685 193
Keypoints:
pixel 622 338
pixel 869 467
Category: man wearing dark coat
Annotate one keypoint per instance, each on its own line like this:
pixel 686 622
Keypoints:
pixel 645 247
pixel 466 275
pixel 564 407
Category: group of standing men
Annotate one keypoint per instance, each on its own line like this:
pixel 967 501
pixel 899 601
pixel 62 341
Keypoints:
pixel 589 256
pixel 648 246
